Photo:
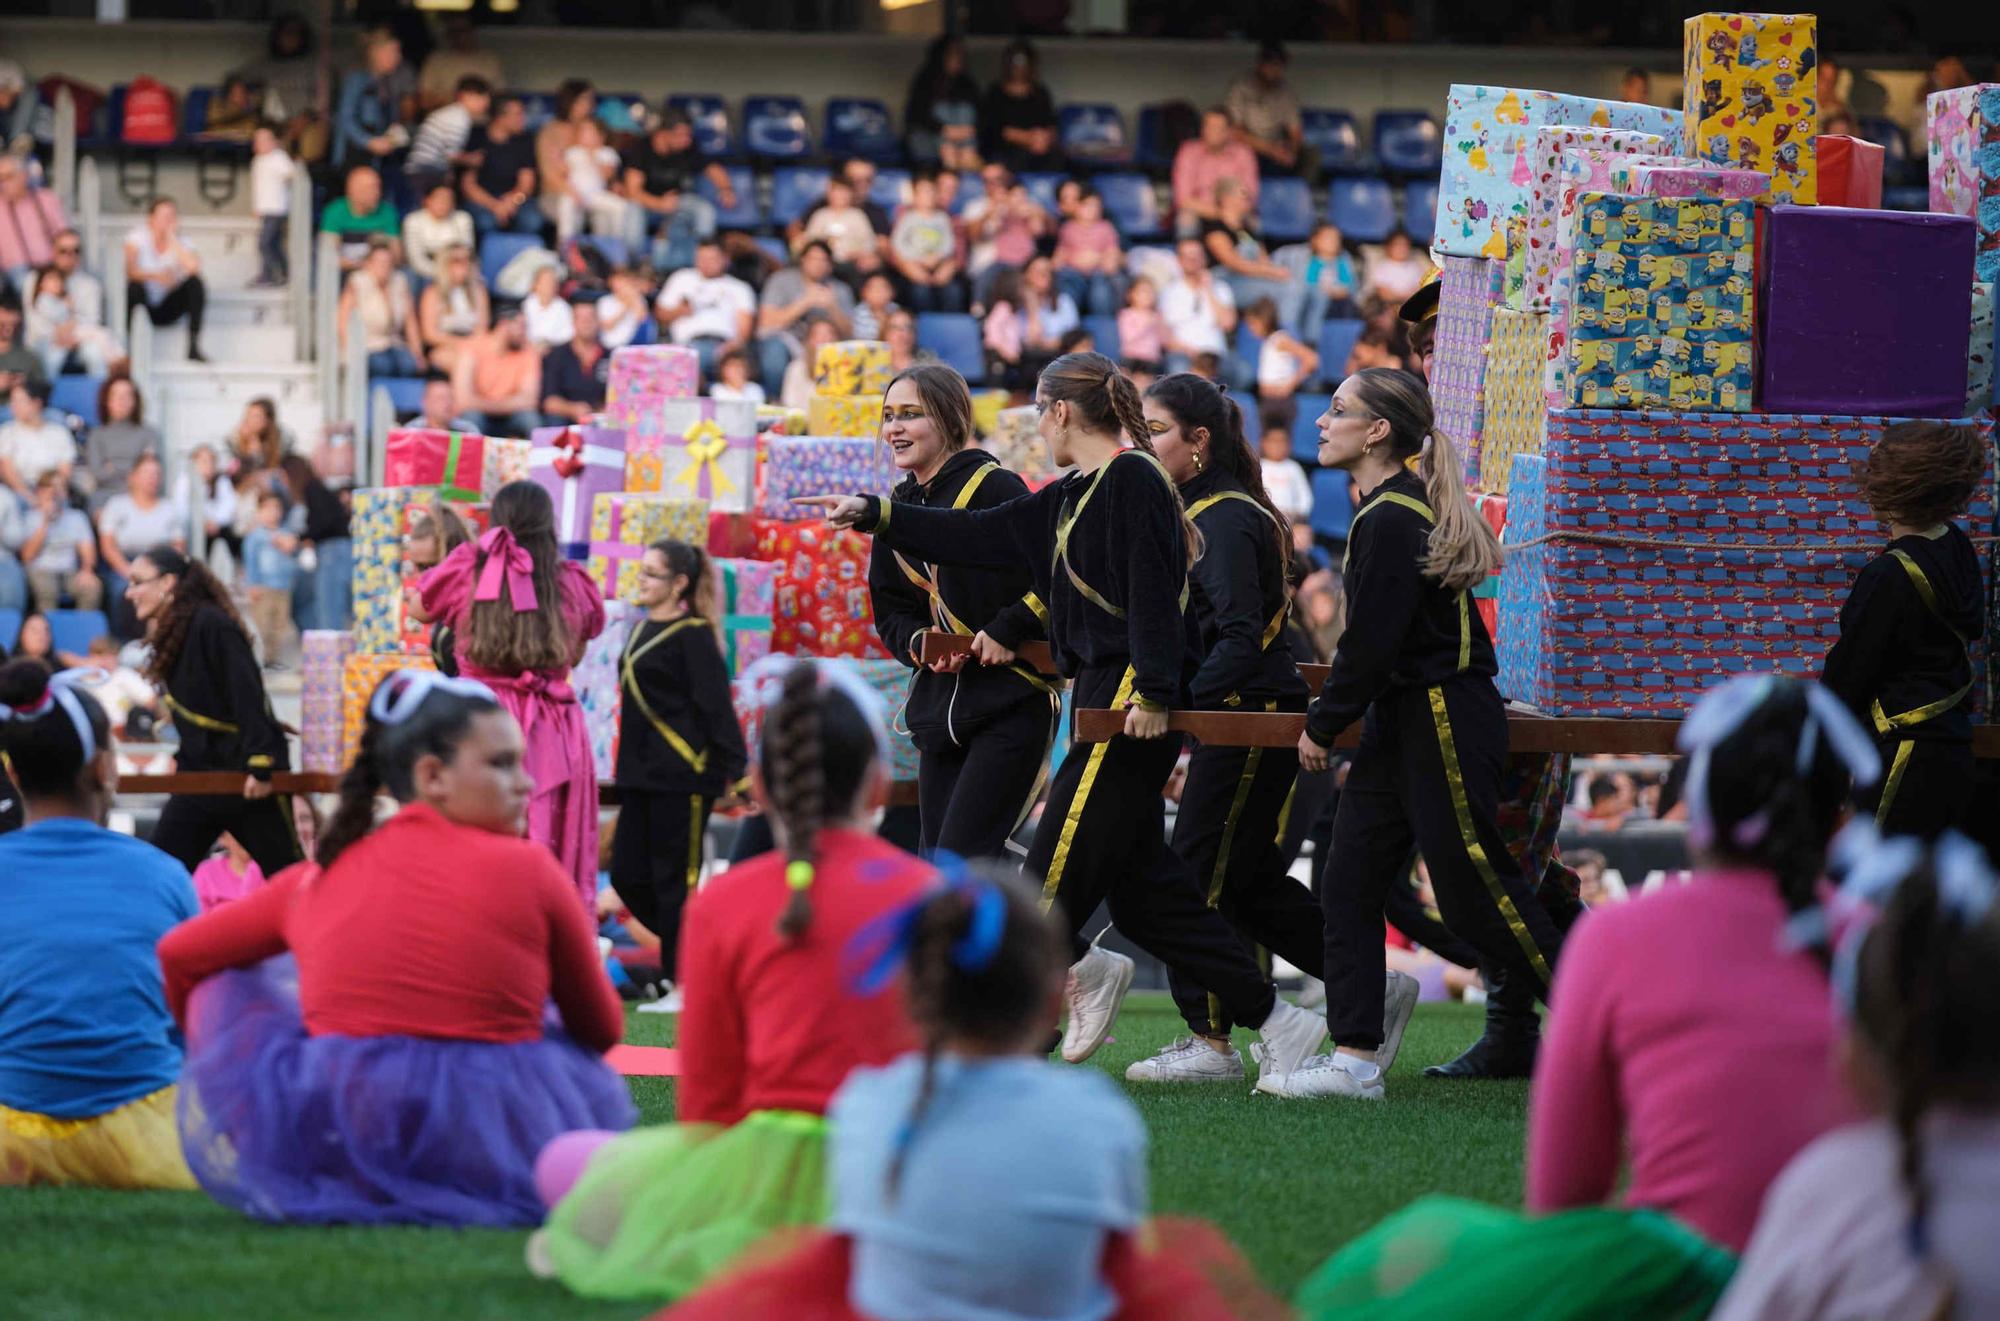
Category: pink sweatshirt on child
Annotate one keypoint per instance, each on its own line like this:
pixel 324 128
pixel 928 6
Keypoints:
pixel 1683 1034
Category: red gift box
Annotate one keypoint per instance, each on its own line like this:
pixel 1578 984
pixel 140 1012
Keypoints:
pixel 821 605
pixel 1486 596
pixel 422 456
pixel 1850 172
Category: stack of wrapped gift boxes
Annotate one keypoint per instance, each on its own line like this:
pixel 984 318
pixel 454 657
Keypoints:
pixel 1713 321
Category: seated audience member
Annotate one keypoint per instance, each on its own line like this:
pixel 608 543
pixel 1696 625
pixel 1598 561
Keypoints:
pixel 843 225
pixel 1018 116
pixel 550 321
pixel 1088 258
pixel 499 192
pixel 59 550
pixel 576 374
pixel 131 523
pixel 236 112
pixel 33 444
pixel 17 361
pixel 733 379
pixel 1285 478
pixel 924 250
pixel 706 308
pixel 56 331
pixel 85 295
pixel 1142 330
pixel 441 146
pixel 1396 274
pixel 440 409
pixel 1284 365
pixel 800 386
pixel 1204 161
pixel 1200 315
pixel 358 214
pixel 941 112
pixel 389 332
pixel 661 175
pixel 376 105
pixel 1375 348
pixel 877 301
pixel 1325 272
pixel 901 337
pixel 622 313
pixel 1239 256
pixel 1004 228
pixel 453 310
pixel 31 218
pixel 590 169
pixel 498 378
pixel 789 297
pixel 434 229
pixel 1265 113
pixel 37 641
pixel 118 440
pixel 163 274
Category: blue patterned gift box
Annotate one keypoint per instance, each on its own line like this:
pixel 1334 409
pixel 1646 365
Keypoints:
pixel 1469 291
pixel 595 679
pixel 1642 622
pixel 797 466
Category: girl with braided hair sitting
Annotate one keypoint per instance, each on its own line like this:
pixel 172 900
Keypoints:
pixel 768 1031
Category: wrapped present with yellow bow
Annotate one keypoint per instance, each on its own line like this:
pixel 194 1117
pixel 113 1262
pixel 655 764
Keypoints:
pixel 623 525
pixel 853 367
pixel 705 448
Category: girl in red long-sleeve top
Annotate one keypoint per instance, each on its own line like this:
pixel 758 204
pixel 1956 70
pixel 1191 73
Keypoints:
pixel 402 1063
pixel 770 1028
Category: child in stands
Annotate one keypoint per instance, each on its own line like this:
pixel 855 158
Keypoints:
pixel 401 1066
pixel 227 875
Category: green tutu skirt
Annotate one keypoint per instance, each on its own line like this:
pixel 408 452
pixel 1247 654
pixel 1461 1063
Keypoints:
pixel 661 1210
pixel 1444 1257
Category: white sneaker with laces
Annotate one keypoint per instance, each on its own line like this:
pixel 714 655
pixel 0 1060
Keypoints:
pixel 1312 995
pixel 1323 1076
pixel 1289 1036
pixel 1189 1059
pixel 1399 1001
pixel 668 1003
pixel 1097 985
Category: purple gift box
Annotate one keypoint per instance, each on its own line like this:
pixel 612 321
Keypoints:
pixel 797 466
pixel 1865 312
pixel 575 465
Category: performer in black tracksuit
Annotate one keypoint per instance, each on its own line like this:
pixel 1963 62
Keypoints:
pixel 1416 660
pixel 984 729
pixel 1901 664
pixel 203 663
pixel 679 746
pixel 1109 548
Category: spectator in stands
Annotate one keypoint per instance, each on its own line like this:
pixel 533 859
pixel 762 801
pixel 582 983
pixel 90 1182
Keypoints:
pixel 1831 103
pixel 32 444
pixel 1205 161
pixel 1018 117
pixel 622 313
pixel 1200 314
pixel 660 178
pixel 30 220
pixel 1396 274
pixel 1004 227
pixel 13 578
pixel 84 290
pixel 789 297
pixel 498 378
pixel 941 113
pixel 59 335
pixel 575 374
pixel 923 250
pixel 799 385
pixel 270 576
pixel 591 171
pixel 861 174
pixel 706 308
pixel 878 300
pixel 119 440
pixel 58 547
pixel 17 361
pixel 499 192
pixel 358 214
pixel 320 519
pixel 1240 258
pixel 550 321
pixel 235 111
pixel 1047 315
pixel 576 103
pixel 271 172
pixel 1088 257
pixel 434 229
pixel 1284 364
pixel 18 102
pixel 294 98
pixel 439 410
pixel 131 523
pixel 1375 348
pixel 733 379
pixel 1142 331
pixel 211 493
pixel 258 443
pixel 901 337
pixel 453 310
pixel 1284 477
pixel 443 143
pixel 1003 333
pixel 843 225
pixel 1636 86
pixel 1324 270
pixel 381 293
pixel 1266 114
pixel 378 102
pixel 446 68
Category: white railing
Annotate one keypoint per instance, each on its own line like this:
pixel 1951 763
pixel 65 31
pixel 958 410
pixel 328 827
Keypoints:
pixel 142 365
pixel 299 260
pixel 64 170
pixel 325 276
pixel 381 420
pixel 354 386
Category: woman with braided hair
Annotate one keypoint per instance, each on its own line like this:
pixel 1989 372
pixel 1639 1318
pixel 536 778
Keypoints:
pixel 769 1029
pixel 1109 547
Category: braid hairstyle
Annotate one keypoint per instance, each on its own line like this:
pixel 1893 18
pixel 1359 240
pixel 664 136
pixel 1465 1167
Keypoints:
pixel 817 751
pixel 993 1005
pixel 1107 401
pixel 44 751
pixel 1463 552
pixel 694 564
pixel 1924 473
pixel 1195 402
pixel 194 587
pixel 386 759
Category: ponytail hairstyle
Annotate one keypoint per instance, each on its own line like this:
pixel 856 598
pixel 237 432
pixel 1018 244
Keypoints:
pixel 981 962
pixel 521 627
pixel 413 713
pixel 1106 401
pixel 1463 552
pixel 51 728
pixel 694 564
pixel 1195 402
pixel 947 401
pixel 821 740
pixel 1924 473
pixel 194 587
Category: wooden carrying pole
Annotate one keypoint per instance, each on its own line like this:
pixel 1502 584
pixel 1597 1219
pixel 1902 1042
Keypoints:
pixel 942 646
pixel 229 784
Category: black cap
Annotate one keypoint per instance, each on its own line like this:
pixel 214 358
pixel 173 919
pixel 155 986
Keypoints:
pixel 1422 305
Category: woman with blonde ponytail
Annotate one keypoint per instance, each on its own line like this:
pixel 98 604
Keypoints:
pixel 1109 547
pixel 1416 661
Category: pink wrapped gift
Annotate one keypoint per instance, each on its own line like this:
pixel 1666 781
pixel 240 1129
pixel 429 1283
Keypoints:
pixel 645 375
pixel 575 465
pixel 425 456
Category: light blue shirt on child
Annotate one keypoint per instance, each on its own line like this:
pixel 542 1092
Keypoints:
pixel 265 563
pixel 1013 1180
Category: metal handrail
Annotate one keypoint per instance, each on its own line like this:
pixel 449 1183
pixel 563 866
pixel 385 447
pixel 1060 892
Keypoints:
pixel 354 390
pixel 64 160
pixel 298 256
pixel 325 307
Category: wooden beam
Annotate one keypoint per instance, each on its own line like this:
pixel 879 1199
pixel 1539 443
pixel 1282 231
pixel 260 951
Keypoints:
pixel 943 646
pixel 229 784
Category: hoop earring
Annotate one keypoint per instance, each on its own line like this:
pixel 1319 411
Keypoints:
pixel 1197 461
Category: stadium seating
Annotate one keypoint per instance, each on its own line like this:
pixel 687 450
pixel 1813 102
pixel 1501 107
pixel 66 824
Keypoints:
pixel 1149 150
pixel 747 213
pixel 710 120
pixel 1333 137
pixel 77 396
pixel 74 630
pixel 499 248
pixel 1305 427
pixel 10 629
pixel 775 128
pixel 406 393
pixel 861 127
pixel 540 107
pixel 795 190
pixel 1131 205
pixel 1333 505
pixel 955 338
pixel 1408 143
pixel 1104 333
pixel 1285 209
pixel 1042 185
pixel 891 190
pixel 1364 208
pixel 1420 205
pixel 1337 339
pixel 1093 134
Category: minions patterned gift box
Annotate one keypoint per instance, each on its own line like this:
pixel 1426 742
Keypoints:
pixel 1663 310
pixel 1545 196
pixel 1750 95
pixel 858 367
pixel 1514 405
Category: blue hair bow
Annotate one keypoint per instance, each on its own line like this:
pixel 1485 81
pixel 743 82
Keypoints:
pixel 883 945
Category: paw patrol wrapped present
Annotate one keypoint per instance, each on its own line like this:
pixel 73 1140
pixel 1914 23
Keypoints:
pixel 1664 305
pixel 796 466
pixel 1545 196
pixel 853 367
pixel 844 415
pixel 323 657
pixel 1964 130
pixel 1752 82
pixel 696 447
pixel 643 376
pixel 622 526
pixel 1514 404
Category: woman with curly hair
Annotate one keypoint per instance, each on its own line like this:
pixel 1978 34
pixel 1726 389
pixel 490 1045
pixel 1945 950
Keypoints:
pixel 204 663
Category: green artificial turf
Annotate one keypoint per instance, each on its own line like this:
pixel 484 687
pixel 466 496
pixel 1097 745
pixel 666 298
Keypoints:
pixel 1289 1182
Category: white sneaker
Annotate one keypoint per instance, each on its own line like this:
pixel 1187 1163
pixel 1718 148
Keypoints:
pixel 1312 995
pixel 1097 985
pixel 1287 1039
pixel 1399 1001
pixel 1322 1076
pixel 1190 1059
pixel 668 1003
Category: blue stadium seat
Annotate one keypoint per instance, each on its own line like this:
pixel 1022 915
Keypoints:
pixel 194 110
pixel 1149 150
pixel 1104 332
pixel 1364 208
pixel 970 189
pixel 1420 209
pixel 1895 144
pixel 1333 137
pixel 775 248
pixel 1093 133
pixel 860 127
pixel 1305 427
pixel 77 396
pixel 891 189
pixel 541 108
pixel 10 628
pixel 1336 340
pixel 795 190
pixel 102 130
pixel 709 118
pixel 1131 204
pixel 1408 142
pixel 1248 343
pixel 622 112
pixel 1246 404
pixel 775 128
pixel 954 337
pixel 612 247
pixel 1042 185
pixel 499 248
pixel 1333 504
pixel 406 393
pixel 73 630
pixel 746 214
pixel 1285 209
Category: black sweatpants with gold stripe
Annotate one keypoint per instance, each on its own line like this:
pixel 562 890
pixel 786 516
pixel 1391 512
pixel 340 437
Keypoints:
pixel 656 853
pixel 1102 839
pixel 1427 773
pixel 1228 834
pixel 190 824
pixel 1925 789
pixel 975 793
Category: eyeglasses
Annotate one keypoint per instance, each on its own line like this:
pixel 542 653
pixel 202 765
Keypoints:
pixel 909 414
pixel 69 250
pixel 143 582
pixel 656 575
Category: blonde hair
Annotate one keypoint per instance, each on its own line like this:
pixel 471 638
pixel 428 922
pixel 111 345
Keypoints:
pixel 1106 400
pixel 1463 552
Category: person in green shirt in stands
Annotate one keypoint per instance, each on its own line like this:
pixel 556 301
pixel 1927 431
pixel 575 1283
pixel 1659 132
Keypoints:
pixel 358 213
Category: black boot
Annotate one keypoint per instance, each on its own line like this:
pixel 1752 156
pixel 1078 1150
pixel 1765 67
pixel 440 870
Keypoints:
pixel 1513 1035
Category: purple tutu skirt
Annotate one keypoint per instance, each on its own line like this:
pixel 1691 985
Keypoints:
pixel 284 1126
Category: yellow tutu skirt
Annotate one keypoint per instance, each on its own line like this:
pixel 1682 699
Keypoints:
pixel 138 1145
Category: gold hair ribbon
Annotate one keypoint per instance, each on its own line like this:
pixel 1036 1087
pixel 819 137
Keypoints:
pixel 705 445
